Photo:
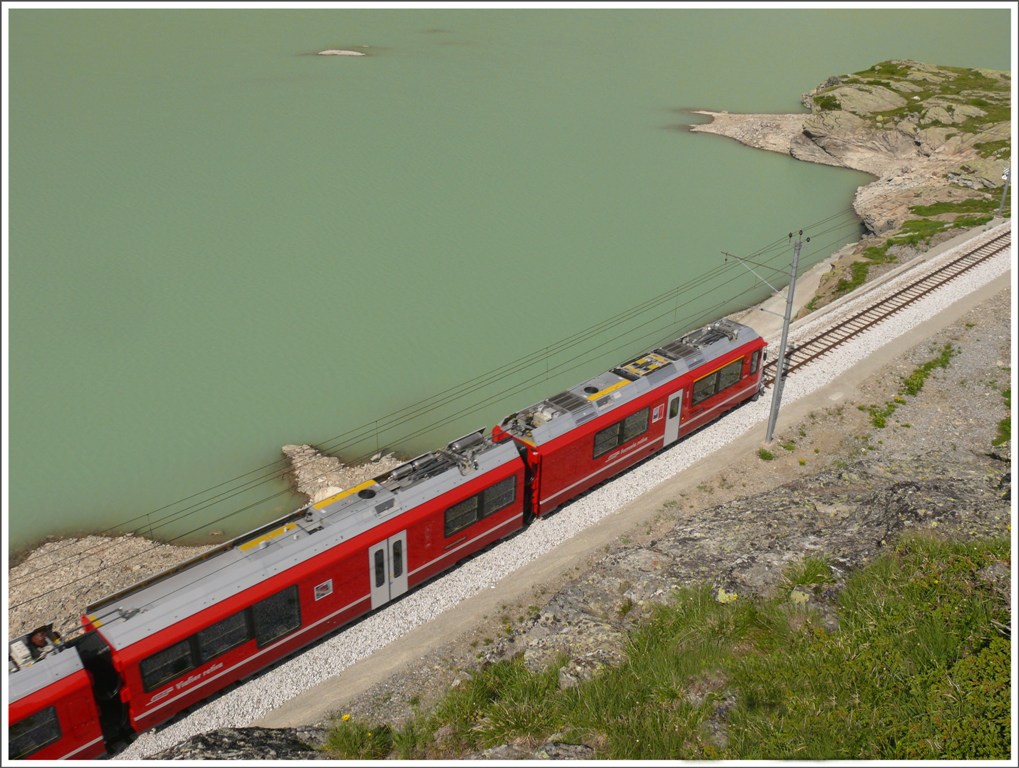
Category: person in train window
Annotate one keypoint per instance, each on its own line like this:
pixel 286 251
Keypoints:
pixel 42 643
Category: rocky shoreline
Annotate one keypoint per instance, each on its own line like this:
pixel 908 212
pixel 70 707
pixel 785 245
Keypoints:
pixel 55 581
pixel 936 139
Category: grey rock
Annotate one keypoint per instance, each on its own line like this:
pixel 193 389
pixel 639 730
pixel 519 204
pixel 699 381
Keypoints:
pixel 250 744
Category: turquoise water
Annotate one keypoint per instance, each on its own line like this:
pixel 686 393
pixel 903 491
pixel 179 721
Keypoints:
pixel 220 243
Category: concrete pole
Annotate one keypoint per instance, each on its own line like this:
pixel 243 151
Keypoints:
pixel 1007 175
pixel 776 398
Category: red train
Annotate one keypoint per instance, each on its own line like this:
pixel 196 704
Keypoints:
pixel 166 643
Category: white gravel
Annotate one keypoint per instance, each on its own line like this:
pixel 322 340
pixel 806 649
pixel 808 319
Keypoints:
pixel 251 701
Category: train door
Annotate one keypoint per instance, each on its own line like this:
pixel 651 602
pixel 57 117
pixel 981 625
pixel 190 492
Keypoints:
pixel 674 416
pixel 387 568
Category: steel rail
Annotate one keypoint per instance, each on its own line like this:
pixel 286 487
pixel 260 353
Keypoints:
pixel 832 338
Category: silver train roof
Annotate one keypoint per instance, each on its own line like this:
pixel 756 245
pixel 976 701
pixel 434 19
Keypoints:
pixel 157 603
pixel 557 415
pixel 50 669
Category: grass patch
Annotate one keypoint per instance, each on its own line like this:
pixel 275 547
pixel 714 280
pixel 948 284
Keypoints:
pixel 858 270
pixel 1005 425
pixel 827 102
pixel 879 253
pixel 357 741
pixel 913 383
pixel 916 231
pixel 871 690
pixel 916 670
pixel 970 205
pixel 764 454
pixel 1000 148
pixel 968 222
pixel 879 414
pixel 808 572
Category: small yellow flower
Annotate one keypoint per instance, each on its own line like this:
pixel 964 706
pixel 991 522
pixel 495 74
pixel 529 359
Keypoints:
pixel 345 718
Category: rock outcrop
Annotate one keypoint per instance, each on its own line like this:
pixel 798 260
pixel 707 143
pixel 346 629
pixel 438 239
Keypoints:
pixel 318 475
pixel 931 136
pixel 250 744
pixel 925 132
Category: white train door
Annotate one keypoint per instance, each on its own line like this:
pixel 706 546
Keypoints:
pixel 387 569
pixel 672 421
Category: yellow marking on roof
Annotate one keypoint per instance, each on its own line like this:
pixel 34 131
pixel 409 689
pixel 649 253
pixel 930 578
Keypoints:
pixel 646 364
pixel 344 494
pixel 255 543
pixel 605 391
pixel 94 621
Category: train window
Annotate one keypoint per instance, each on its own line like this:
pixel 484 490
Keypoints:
pixel 488 502
pixel 166 664
pixel 222 636
pixel 397 559
pixel 498 496
pixel 716 381
pixel 755 360
pixel 606 440
pixel 33 733
pixel 634 425
pixel 380 567
pixel 459 516
pixel 730 374
pixel 674 408
pixel 704 387
pixel 621 432
pixel 276 616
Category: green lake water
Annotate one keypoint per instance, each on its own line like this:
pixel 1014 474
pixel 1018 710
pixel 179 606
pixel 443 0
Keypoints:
pixel 220 243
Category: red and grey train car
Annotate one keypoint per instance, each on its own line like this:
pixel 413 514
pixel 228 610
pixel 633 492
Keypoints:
pixel 595 430
pixel 167 643
pixel 183 635
pixel 53 713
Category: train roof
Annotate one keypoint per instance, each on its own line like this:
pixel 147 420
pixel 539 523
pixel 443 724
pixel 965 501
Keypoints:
pixel 46 671
pixel 157 603
pixel 557 415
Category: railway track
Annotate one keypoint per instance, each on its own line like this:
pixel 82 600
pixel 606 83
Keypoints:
pixel 832 338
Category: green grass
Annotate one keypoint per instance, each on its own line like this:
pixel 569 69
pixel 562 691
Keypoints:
pixel 1005 425
pixel 962 86
pixel 879 414
pixel 970 205
pixel 917 231
pixel 764 454
pixel 1001 148
pixel 913 383
pixel 809 572
pixel 827 102
pixel 879 253
pixel 359 741
pixel 858 270
pixel 916 669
